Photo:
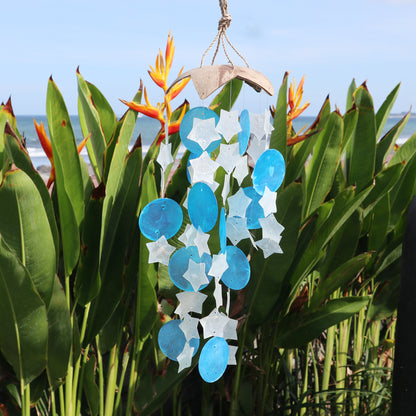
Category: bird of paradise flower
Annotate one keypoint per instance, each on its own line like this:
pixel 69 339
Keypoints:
pixel 159 75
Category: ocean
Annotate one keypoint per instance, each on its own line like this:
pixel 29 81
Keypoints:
pixel 148 129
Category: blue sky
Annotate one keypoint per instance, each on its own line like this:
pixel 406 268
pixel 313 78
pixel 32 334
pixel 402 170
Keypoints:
pixel 113 43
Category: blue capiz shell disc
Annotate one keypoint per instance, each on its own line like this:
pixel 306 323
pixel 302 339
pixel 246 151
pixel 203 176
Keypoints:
pixel 213 359
pixel 162 216
pixel 179 264
pixel 269 171
pixel 202 207
pixel 172 340
pixel 244 134
pixel 238 273
pixel 254 210
pixel 186 126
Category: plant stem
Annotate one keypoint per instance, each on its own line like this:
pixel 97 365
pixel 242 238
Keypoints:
pixel 329 353
pixel 111 382
pixel 126 357
pixel 100 376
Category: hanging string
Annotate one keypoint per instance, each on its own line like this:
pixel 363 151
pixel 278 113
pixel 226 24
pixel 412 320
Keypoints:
pixel 223 25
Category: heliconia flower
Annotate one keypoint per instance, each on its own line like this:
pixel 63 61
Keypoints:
pixel 146 109
pixel 47 148
pixel 177 88
pixel 295 98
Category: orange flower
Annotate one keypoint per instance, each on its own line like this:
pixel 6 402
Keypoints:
pixel 294 101
pixel 159 75
pixel 47 148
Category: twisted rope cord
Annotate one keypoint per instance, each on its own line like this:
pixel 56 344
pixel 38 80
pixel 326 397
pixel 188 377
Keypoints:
pixel 223 25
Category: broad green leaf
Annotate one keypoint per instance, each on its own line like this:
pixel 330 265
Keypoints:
pixel 226 98
pixel 405 152
pixel 402 194
pixel 363 142
pixel 320 170
pixel 92 119
pixel 25 228
pixel 106 114
pixel 343 244
pixel 278 139
pixel 68 184
pixel 384 111
pixel 21 159
pixel 350 95
pixel 386 144
pixel 380 223
pixel 269 275
pixel 383 183
pixel 87 279
pixel 114 177
pixel 345 205
pixel 122 222
pixel 297 329
pixel 338 279
pixel 24 324
pixel 350 122
pixel 59 334
pixel 89 145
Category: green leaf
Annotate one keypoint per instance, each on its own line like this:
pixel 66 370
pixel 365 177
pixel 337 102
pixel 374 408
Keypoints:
pixel 226 98
pixel 123 223
pixel 24 324
pixel 106 114
pixel 380 223
pixel 91 390
pixel 68 184
pixel 338 279
pixel 25 228
pixel 385 145
pixel 350 122
pixel 320 171
pixel 87 279
pixel 345 205
pixel 296 330
pixel 350 95
pixel 59 334
pixel 265 285
pixel 361 161
pixel 384 111
pixel 278 139
pixel 405 152
pixel 92 119
pixel 21 159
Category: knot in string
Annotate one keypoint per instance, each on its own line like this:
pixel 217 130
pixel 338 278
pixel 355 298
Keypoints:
pixel 223 24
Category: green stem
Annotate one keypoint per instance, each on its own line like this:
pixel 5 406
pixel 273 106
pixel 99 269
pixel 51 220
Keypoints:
pixel 111 382
pixel 100 376
pixel 62 399
pixel 81 381
pixel 329 354
pixel 68 386
pixel 53 402
pixel 133 378
pixel 126 358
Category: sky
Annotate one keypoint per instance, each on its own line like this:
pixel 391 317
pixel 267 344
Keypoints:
pixel 113 43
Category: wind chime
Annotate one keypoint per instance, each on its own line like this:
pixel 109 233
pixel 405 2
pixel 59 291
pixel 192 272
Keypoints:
pixel 229 148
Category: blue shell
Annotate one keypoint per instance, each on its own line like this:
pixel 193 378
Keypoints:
pixel 223 231
pixel 187 122
pixel 172 340
pixel 244 134
pixel 213 359
pixel 202 207
pixel 179 264
pixel 269 171
pixel 162 216
pixel 238 273
pixel 254 210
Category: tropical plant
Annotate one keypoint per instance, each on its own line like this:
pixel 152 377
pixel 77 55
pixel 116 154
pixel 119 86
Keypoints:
pixel 81 306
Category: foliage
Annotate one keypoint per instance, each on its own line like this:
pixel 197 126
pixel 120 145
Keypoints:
pixel 81 307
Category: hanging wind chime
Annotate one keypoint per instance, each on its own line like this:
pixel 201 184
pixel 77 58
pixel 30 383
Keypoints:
pixel 224 218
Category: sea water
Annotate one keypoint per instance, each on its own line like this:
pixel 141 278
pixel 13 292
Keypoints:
pixel 148 129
